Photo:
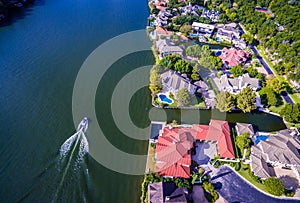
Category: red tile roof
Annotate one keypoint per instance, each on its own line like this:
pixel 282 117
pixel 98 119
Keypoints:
pixel 163 31
pixel 219 131
pixel 233 57
pixel 173 153
pixel 173 147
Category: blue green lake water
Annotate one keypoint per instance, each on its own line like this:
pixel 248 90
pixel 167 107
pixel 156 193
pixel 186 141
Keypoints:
pixel 41 51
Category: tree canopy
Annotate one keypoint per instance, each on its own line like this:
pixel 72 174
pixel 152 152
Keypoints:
pixel 274 186
pixel 183 96
pixel 243 141
pixel 246 100
pixel 291 113
pixel 155 85
pixel 237 71
pixel 225 101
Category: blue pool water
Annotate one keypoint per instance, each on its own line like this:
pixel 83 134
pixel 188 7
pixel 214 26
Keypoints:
pixel 218 39
pixel 218 53
pixel 260 137
pixel 165 99
pixel 194 35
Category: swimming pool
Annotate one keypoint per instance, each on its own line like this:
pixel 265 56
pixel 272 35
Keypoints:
pixel 218 53
pixel 260 137
pixel 194 35
pixel 165 99
pixel 218 39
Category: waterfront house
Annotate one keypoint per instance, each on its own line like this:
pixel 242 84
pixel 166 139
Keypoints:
pixel 173 153
pixel 165 47
pixel 242 128
pixel 233 57
pixel 163 192
pixel 279 150
pixel 161 31
pixel 173 148
pixel 235 85
pixel 202 28
pixel 173 82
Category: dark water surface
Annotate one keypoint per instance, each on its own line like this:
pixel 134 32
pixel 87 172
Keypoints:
pixel 41 52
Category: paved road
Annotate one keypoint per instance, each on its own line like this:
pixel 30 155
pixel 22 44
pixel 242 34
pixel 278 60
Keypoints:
pixel 234 189
pixel 284 94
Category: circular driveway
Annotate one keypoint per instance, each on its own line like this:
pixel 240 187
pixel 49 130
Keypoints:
pixel 234 189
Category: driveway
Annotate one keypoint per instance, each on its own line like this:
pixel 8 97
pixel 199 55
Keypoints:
pixel 234 189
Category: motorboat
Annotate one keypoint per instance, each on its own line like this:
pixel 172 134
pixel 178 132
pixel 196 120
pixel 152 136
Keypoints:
pixel 83 125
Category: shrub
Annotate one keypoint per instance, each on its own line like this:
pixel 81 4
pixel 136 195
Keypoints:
pixel 153 145
pixel 237 166
pixel 274 186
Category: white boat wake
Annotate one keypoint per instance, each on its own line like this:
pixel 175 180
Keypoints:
pixel 74 148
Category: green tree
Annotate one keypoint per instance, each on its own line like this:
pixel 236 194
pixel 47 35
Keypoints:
pixel 237 71
pixel 291 113
pixel 246 100
pixel 194 51
pixel 155 81
pixel 195 73
pixel 268 96
pixel 249 38
pixel 186 29
pixel 225 101
pixel 252 71
pixel 276 85
pixel 216 62
pixel 274 186
pixel 243 141
pixel 183 96
pixel 169 61
pixel 182 66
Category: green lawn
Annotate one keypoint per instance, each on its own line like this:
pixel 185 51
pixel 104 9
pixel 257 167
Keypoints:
pixel 295 98
pixel 247 177
pixel 276 109
pixel 202 104
pixel 212 85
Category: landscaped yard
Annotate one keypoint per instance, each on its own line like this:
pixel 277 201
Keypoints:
pixel 246 175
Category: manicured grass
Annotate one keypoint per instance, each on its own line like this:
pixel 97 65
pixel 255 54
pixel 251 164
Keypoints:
pixel 276 109
pixel 246 175
pixel 202 104
pixel 212 85
pixel 295 98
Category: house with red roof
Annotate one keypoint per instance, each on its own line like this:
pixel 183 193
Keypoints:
pixel 233 57
pixel 173 148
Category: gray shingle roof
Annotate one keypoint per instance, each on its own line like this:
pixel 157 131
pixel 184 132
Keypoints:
pixel 163 45
pixel 259 165
pixel 244 128
pixel 238 83
pixel 163 192
pixel 172 81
